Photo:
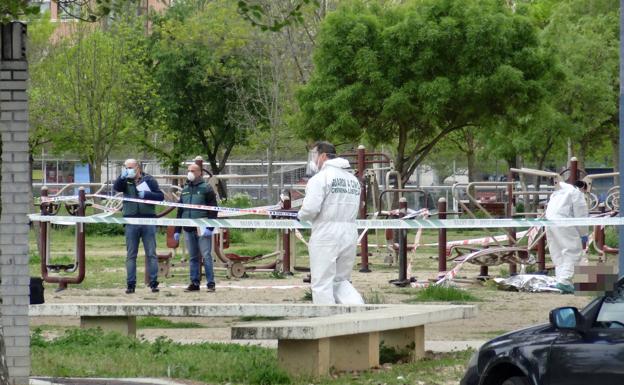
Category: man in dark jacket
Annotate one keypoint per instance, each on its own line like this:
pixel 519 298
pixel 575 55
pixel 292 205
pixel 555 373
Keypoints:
pixel 133 183
pixel 198 239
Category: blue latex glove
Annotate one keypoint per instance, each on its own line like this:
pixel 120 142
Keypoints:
pixel 176 236
pixel 124 173
pixel 584 239
pixel 207 232
pixel 141 194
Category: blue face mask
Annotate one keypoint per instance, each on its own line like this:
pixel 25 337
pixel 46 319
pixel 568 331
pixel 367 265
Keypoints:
pixel 131 173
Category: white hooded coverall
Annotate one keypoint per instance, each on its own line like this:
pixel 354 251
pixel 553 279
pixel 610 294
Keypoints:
pixel 564 243
pixel 331 203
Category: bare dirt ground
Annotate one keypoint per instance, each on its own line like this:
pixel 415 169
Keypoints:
pixel 498 311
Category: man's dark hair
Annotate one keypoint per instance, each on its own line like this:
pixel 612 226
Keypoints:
pixel 325 148
pixel 581 184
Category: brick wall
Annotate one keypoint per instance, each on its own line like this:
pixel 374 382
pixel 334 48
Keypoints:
pixel 16 192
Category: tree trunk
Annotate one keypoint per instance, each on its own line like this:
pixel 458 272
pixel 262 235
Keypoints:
pixel 471 155
pixel 399 163
pixel 97 172
pixel 472 167
pixel 570 150
pixel 270 190
pixel 580 156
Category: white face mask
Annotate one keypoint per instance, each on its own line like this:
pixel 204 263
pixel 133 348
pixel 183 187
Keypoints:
pixel 131 173
pixel 190 176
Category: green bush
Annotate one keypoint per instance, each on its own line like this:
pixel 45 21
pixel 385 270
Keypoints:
pixel 239 200
pixel 236 235
pixel 611 237
pixel 104 229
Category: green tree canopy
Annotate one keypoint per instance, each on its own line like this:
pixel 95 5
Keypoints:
pixel 584 37
pixel 411 74
pixel 199 63
pixel 82 92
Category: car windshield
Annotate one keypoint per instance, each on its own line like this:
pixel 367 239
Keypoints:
pixel 611 313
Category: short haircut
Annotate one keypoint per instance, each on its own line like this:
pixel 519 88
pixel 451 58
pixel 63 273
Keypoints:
pixel 135 162
pixel 581 184
pixel 325 148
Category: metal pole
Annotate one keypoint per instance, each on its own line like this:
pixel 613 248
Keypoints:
pixel 512 232
pixel 361 157
pixel 541 254
pixel 286 240
pixel 403 244
pixel 441 238
pixel 573 170
pixel 621 142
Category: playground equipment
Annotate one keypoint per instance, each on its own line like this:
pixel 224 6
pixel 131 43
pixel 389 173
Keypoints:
pixel 475 199
pixel 361 160
pixel 235 264
pixel 47 267
pixel 508 248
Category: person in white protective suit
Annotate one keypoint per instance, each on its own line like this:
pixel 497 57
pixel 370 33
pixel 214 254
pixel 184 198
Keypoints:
pixel 331 203
pixel 564 243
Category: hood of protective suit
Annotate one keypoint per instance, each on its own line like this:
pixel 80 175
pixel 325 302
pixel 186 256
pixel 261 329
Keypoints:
pixel 332 195
pixel 336 162
pixel 567 202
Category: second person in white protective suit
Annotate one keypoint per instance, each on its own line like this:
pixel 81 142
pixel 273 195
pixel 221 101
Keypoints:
pixel 331 203
pixel 564 243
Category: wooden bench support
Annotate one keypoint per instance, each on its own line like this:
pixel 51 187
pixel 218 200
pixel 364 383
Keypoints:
pixel 122 324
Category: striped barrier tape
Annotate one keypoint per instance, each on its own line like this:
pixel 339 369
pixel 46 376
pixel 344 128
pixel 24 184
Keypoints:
pixel 63 198
pixel 265 210
pixel 273 210
pixel 416 223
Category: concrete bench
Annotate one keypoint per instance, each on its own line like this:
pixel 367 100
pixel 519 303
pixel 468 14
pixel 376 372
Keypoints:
pixel 121 317
pixel 320 338
pixel 350 341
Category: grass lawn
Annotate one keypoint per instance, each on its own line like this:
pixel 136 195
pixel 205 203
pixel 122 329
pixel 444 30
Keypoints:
pixel 91 353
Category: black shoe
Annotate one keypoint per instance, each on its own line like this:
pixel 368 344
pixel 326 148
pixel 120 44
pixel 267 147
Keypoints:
pixel 211 287
pixel 192 287
pixel 154 287
pixel 130 290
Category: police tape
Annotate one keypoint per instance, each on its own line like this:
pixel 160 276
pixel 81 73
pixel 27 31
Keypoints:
pixel 264 210
pixel 416 223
